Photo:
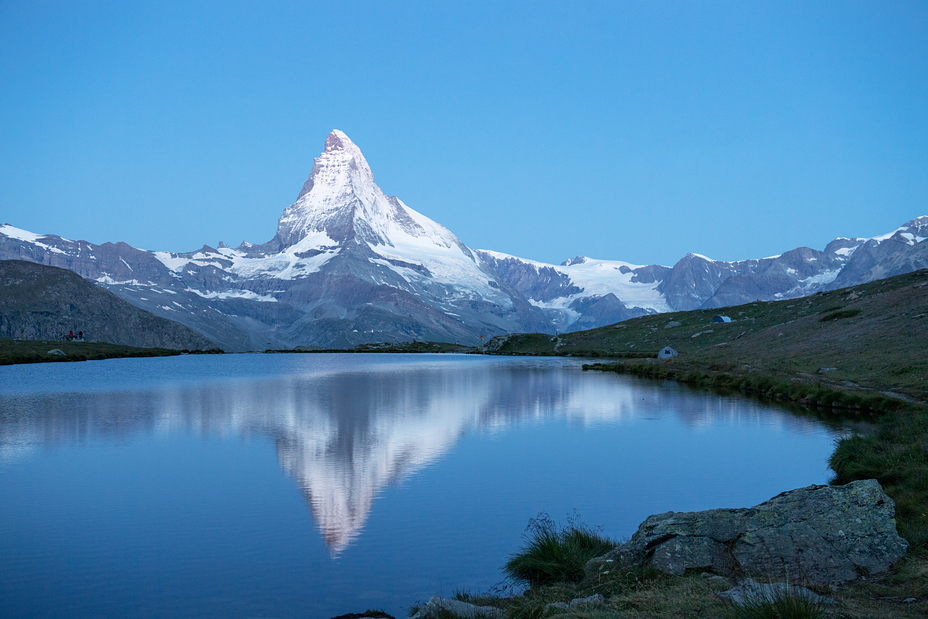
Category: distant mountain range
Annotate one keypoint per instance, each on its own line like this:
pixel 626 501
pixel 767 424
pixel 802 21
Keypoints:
pixel 351 265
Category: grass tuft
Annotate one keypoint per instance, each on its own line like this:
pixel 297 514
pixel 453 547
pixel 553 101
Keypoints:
pixel 554 553
pixel 781 605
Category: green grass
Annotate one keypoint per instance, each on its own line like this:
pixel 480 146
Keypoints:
pixel 36 351
pixel 872 338
pixel 896 455
pixel 556 553
pixel 782 606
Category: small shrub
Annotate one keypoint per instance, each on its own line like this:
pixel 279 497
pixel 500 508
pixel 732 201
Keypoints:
pixel 556 554
pixel 838 315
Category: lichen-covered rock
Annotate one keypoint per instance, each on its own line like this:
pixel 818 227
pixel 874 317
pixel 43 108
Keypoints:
pixel 818 534
pixel 680 554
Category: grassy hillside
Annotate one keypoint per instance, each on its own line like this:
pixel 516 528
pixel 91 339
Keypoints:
pixel 40 302
pixel 869 337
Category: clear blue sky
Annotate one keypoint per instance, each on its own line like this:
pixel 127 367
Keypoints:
pixel 637 131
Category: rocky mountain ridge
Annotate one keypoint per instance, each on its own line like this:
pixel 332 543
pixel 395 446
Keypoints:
pixel 566 293
pixel 350 265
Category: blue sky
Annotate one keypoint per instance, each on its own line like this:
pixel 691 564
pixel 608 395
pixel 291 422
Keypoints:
pixel 637 131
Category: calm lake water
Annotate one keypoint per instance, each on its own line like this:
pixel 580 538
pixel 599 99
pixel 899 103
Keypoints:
pixel 316 485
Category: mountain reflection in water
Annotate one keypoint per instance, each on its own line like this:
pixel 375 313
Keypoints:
pixel 344 432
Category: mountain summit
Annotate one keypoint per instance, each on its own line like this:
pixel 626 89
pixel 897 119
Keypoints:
pixel 340 203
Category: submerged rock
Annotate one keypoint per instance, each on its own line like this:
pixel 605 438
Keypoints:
pixel 817 534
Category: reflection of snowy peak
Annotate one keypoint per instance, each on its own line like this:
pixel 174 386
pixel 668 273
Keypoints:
pixel 346 430
pixel 351 265
pixel 381 436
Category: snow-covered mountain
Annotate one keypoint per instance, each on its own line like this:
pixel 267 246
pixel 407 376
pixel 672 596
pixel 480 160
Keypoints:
pixel 351 265
pixel 583 292
pixel 348 265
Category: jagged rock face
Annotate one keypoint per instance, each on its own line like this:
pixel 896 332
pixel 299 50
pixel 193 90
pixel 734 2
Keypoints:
pixel 819 534
pixel 796 273
pixel 341 201
pixel 902 251
pixel 538 283
pixel 694 279
pixel 582 293
pixel 599 311
pixel 39 302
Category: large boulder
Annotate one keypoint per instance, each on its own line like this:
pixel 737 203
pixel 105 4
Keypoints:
pixel 819 534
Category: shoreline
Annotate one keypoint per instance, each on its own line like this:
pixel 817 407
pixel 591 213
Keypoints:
pixel 16 352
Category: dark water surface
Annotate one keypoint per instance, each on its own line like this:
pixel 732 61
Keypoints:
pixel 315 485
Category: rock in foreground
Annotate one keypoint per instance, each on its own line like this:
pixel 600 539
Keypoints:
pixel 437 607
pixel 827 535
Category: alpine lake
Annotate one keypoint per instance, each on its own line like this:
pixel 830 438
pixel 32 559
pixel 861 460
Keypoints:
pixel 312 485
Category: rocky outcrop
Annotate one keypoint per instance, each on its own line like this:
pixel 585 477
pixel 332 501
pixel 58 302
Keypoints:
pixel 827 535
pixel 749 592
pixel 576 603
pixel 436 607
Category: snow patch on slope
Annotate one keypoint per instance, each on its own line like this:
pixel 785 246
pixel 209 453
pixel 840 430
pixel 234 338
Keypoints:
pixel 287 264
pixel 235 294
pixel 31 237
pixel 597 278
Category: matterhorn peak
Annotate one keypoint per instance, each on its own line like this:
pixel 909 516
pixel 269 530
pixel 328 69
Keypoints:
pixel 340 202
pixel 340 152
